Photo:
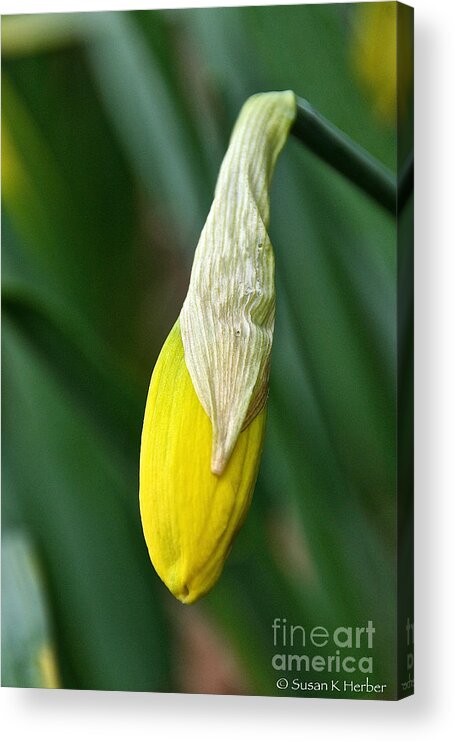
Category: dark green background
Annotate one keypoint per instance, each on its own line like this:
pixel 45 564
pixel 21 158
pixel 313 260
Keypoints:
pixel 119 122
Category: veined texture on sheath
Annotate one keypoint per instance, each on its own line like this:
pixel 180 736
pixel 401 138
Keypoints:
pixel 228 315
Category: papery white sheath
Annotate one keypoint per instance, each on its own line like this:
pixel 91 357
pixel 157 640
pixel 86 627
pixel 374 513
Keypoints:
pixel 228 316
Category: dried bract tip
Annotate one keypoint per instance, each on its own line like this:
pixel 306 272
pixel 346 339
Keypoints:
pixel 228 315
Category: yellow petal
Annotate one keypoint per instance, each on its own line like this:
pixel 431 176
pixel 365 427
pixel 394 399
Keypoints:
pixel 190 516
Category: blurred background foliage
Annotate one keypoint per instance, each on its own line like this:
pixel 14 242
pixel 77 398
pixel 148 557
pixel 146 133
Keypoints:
pixel 114 127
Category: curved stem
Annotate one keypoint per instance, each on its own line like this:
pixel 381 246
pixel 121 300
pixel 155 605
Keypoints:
pixel 334 147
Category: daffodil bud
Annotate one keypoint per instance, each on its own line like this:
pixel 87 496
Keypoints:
pixel 205 412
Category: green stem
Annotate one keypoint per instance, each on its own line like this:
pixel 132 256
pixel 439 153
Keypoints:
pixel 355 163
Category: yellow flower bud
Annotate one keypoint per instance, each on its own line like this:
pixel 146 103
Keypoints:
pixel 190 515
pixel 205 413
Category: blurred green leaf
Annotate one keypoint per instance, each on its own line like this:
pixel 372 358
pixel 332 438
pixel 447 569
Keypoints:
pixel 75 494
pixel 146 113
pixel 75 222
pixel 28 659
